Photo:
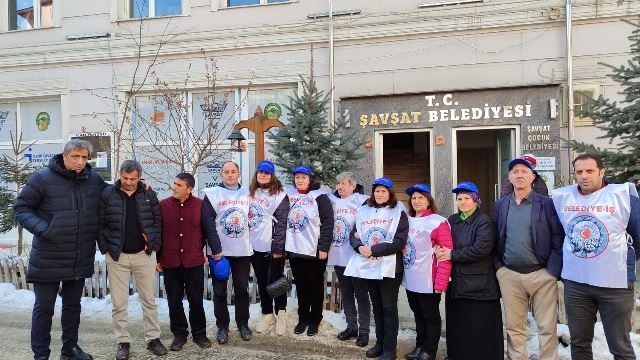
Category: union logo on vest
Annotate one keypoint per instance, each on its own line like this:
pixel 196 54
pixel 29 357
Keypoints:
pixel 409 254
pixel 297 220
pixel 374 235
pixel 341 231
pixel 255 216
pixel 589 236
pixel 232 223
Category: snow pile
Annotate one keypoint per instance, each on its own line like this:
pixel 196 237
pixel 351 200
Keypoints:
pixel 22 300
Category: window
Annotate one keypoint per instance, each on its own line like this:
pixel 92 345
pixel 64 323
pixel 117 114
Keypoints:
pixel 154 8
pixel 39 123
pixel 30 14
pixel 224 4
pixel 231 3
pixel 583 97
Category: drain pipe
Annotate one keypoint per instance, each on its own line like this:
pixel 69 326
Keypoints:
pixel 570 114
pixel 331 69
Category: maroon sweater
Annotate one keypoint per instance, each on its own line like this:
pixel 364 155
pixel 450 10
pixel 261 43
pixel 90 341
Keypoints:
pixel 182 241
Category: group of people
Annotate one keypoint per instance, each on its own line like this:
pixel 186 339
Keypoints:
pixel 587 234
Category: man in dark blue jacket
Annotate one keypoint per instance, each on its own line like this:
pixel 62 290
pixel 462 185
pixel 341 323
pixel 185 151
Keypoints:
pixel 529 261
pixel 59 206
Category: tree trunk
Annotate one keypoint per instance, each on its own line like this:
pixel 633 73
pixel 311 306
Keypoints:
pixel 20 240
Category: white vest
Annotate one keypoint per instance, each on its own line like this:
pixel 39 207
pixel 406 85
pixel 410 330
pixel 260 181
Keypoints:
pixel 303 222
pixel 232 220
pixel 344 216
pixel 595 245
pixel 375 225
pixel 417 255
pixel 263 206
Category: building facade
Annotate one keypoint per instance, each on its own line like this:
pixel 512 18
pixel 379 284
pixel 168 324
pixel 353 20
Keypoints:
pixel 441 90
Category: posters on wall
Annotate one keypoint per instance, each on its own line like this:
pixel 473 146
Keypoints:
pixel 101 158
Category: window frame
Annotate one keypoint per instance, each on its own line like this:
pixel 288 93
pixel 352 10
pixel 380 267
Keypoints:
pixel 577 89
pixel 55 16
pixel 121 10
pixel 223 4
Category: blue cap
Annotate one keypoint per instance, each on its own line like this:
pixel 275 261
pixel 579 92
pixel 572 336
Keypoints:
pixel 302 169
pixel 524 162
pixel 466 186
pixel 417 187
pixel 266 166
pixel 386 182
pixel 220 268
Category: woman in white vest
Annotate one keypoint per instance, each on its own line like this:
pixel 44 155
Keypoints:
pixel 267 231
pixel 425 278
pixel 380 235
pixel 346 201
pixel 309 236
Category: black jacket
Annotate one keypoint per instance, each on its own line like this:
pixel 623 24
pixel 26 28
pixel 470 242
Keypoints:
pixel 280 226
pixel 112 214
pixel 384 249
pixel 473 276
pixel 60 208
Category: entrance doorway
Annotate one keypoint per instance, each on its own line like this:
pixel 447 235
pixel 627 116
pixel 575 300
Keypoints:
pixel 406 159
pixel 482 156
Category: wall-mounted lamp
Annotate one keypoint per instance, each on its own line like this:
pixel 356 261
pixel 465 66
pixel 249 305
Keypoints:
pixel 236 141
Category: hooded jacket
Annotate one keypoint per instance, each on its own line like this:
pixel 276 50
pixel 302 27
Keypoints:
pixel 60 208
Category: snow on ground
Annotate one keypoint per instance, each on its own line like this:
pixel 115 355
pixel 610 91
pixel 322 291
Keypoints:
pixel 22 300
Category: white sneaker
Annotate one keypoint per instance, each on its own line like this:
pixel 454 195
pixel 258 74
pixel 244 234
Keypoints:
pixel 265 323
pixel 281 324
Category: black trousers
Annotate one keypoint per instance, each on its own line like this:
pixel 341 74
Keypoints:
pixel 384 301
pixel 261 262
pixel 615 306
pixel 308 276
pixel 426 312
pixel 177 282
pixel 41 317
pixel 240 267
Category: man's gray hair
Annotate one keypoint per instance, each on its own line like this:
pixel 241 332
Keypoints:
pixel 128 166
pixel 77 144
pixel 349 176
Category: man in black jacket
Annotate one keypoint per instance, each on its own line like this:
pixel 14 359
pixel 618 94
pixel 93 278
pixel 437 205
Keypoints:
pixel 59 206
pixel 130 235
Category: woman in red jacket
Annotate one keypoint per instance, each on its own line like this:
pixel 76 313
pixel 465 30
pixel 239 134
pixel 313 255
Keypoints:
pixel 425 279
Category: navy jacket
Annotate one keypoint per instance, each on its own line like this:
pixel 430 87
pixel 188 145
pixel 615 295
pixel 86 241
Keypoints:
pixel 112 215
pixel 546 231
pixel 60 208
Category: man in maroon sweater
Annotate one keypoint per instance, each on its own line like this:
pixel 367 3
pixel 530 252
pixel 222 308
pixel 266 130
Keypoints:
pixel 181 259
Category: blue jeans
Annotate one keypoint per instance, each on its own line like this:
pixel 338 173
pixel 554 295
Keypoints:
pixel 582 302
pixel 42 315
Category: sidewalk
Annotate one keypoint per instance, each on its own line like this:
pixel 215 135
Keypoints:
pixel 96 337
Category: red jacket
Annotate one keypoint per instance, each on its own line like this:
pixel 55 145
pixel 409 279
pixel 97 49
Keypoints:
pixel 440 270
pixel 182 240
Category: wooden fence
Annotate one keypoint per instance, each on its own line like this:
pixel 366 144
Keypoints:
pixel 14 271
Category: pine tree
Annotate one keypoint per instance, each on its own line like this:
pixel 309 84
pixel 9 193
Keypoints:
pixel 14 172
pixel 620 122
pixel 309 139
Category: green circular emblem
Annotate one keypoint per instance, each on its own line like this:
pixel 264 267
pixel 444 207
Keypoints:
pixel 43 120
pixel 272 111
